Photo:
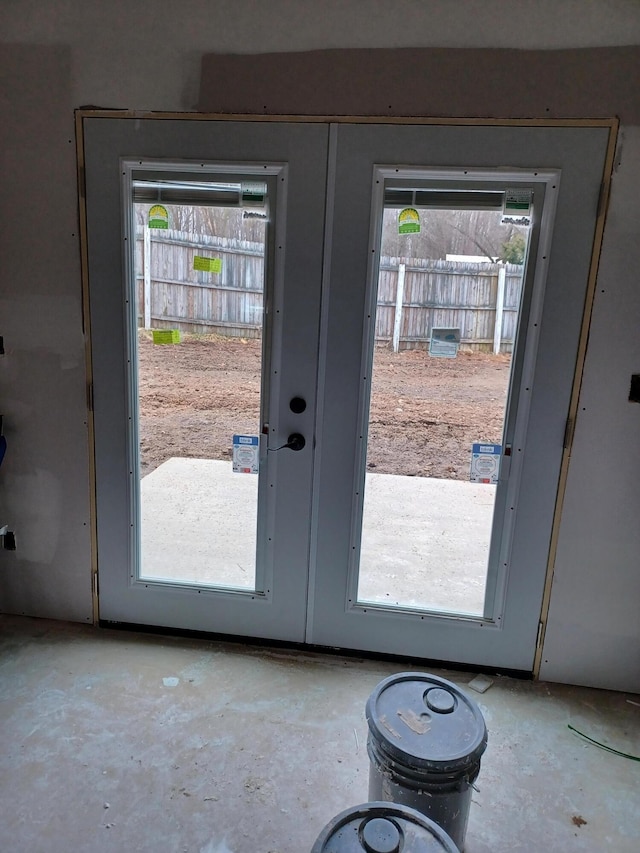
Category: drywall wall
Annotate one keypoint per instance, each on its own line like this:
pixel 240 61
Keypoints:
pixel 147 55
pixel 44 488
pixel 55 58
pixel 476 83
pixel 593 631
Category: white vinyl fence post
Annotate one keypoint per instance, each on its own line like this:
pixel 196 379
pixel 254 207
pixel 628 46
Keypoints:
pixel 147 276
pixel 497 331
pixel 397 322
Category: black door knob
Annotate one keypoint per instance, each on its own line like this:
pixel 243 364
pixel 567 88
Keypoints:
pixel 295 441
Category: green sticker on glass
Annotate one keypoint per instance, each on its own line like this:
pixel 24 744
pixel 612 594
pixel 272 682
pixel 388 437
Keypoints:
pixel 207 264
pixel 159 217
pixel 409 221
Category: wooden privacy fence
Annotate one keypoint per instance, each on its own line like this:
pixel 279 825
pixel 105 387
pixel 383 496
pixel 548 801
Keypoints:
pixel 172 294
pixel 479 299
pixel 448 294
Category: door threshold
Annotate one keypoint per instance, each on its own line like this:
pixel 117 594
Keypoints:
pixel 310 648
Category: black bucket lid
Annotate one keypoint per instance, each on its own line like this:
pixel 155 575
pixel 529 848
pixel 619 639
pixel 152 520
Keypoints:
pixel 426 722
pixel 383 828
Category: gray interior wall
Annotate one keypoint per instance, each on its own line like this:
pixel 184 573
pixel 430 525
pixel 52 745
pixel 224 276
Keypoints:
pixel 475 83
pixel 593 630
pixel 44 488
pixel 55 58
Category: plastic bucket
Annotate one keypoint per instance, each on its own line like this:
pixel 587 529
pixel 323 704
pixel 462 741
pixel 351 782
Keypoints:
pixel 426 739
pixel 383 828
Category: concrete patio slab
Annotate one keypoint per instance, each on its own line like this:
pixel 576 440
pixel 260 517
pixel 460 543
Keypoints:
pixel 425 542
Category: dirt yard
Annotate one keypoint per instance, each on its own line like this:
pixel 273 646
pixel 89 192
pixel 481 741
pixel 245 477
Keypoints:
pixel 425 412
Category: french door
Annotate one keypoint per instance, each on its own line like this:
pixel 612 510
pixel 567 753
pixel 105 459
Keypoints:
pixel 298 533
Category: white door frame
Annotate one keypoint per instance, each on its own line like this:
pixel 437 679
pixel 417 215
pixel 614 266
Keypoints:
pixel 329 621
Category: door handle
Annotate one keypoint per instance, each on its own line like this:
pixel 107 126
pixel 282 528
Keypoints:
pixel 295 441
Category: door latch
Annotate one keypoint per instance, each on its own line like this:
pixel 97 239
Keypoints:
pixel 296 442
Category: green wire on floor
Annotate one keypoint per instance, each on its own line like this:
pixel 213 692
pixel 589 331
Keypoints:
pixel 604 746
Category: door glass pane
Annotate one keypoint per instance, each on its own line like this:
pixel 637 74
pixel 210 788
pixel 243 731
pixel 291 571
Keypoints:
pixel 449 288
pixel 200 273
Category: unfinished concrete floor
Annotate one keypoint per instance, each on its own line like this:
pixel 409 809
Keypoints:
pixel 118 741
